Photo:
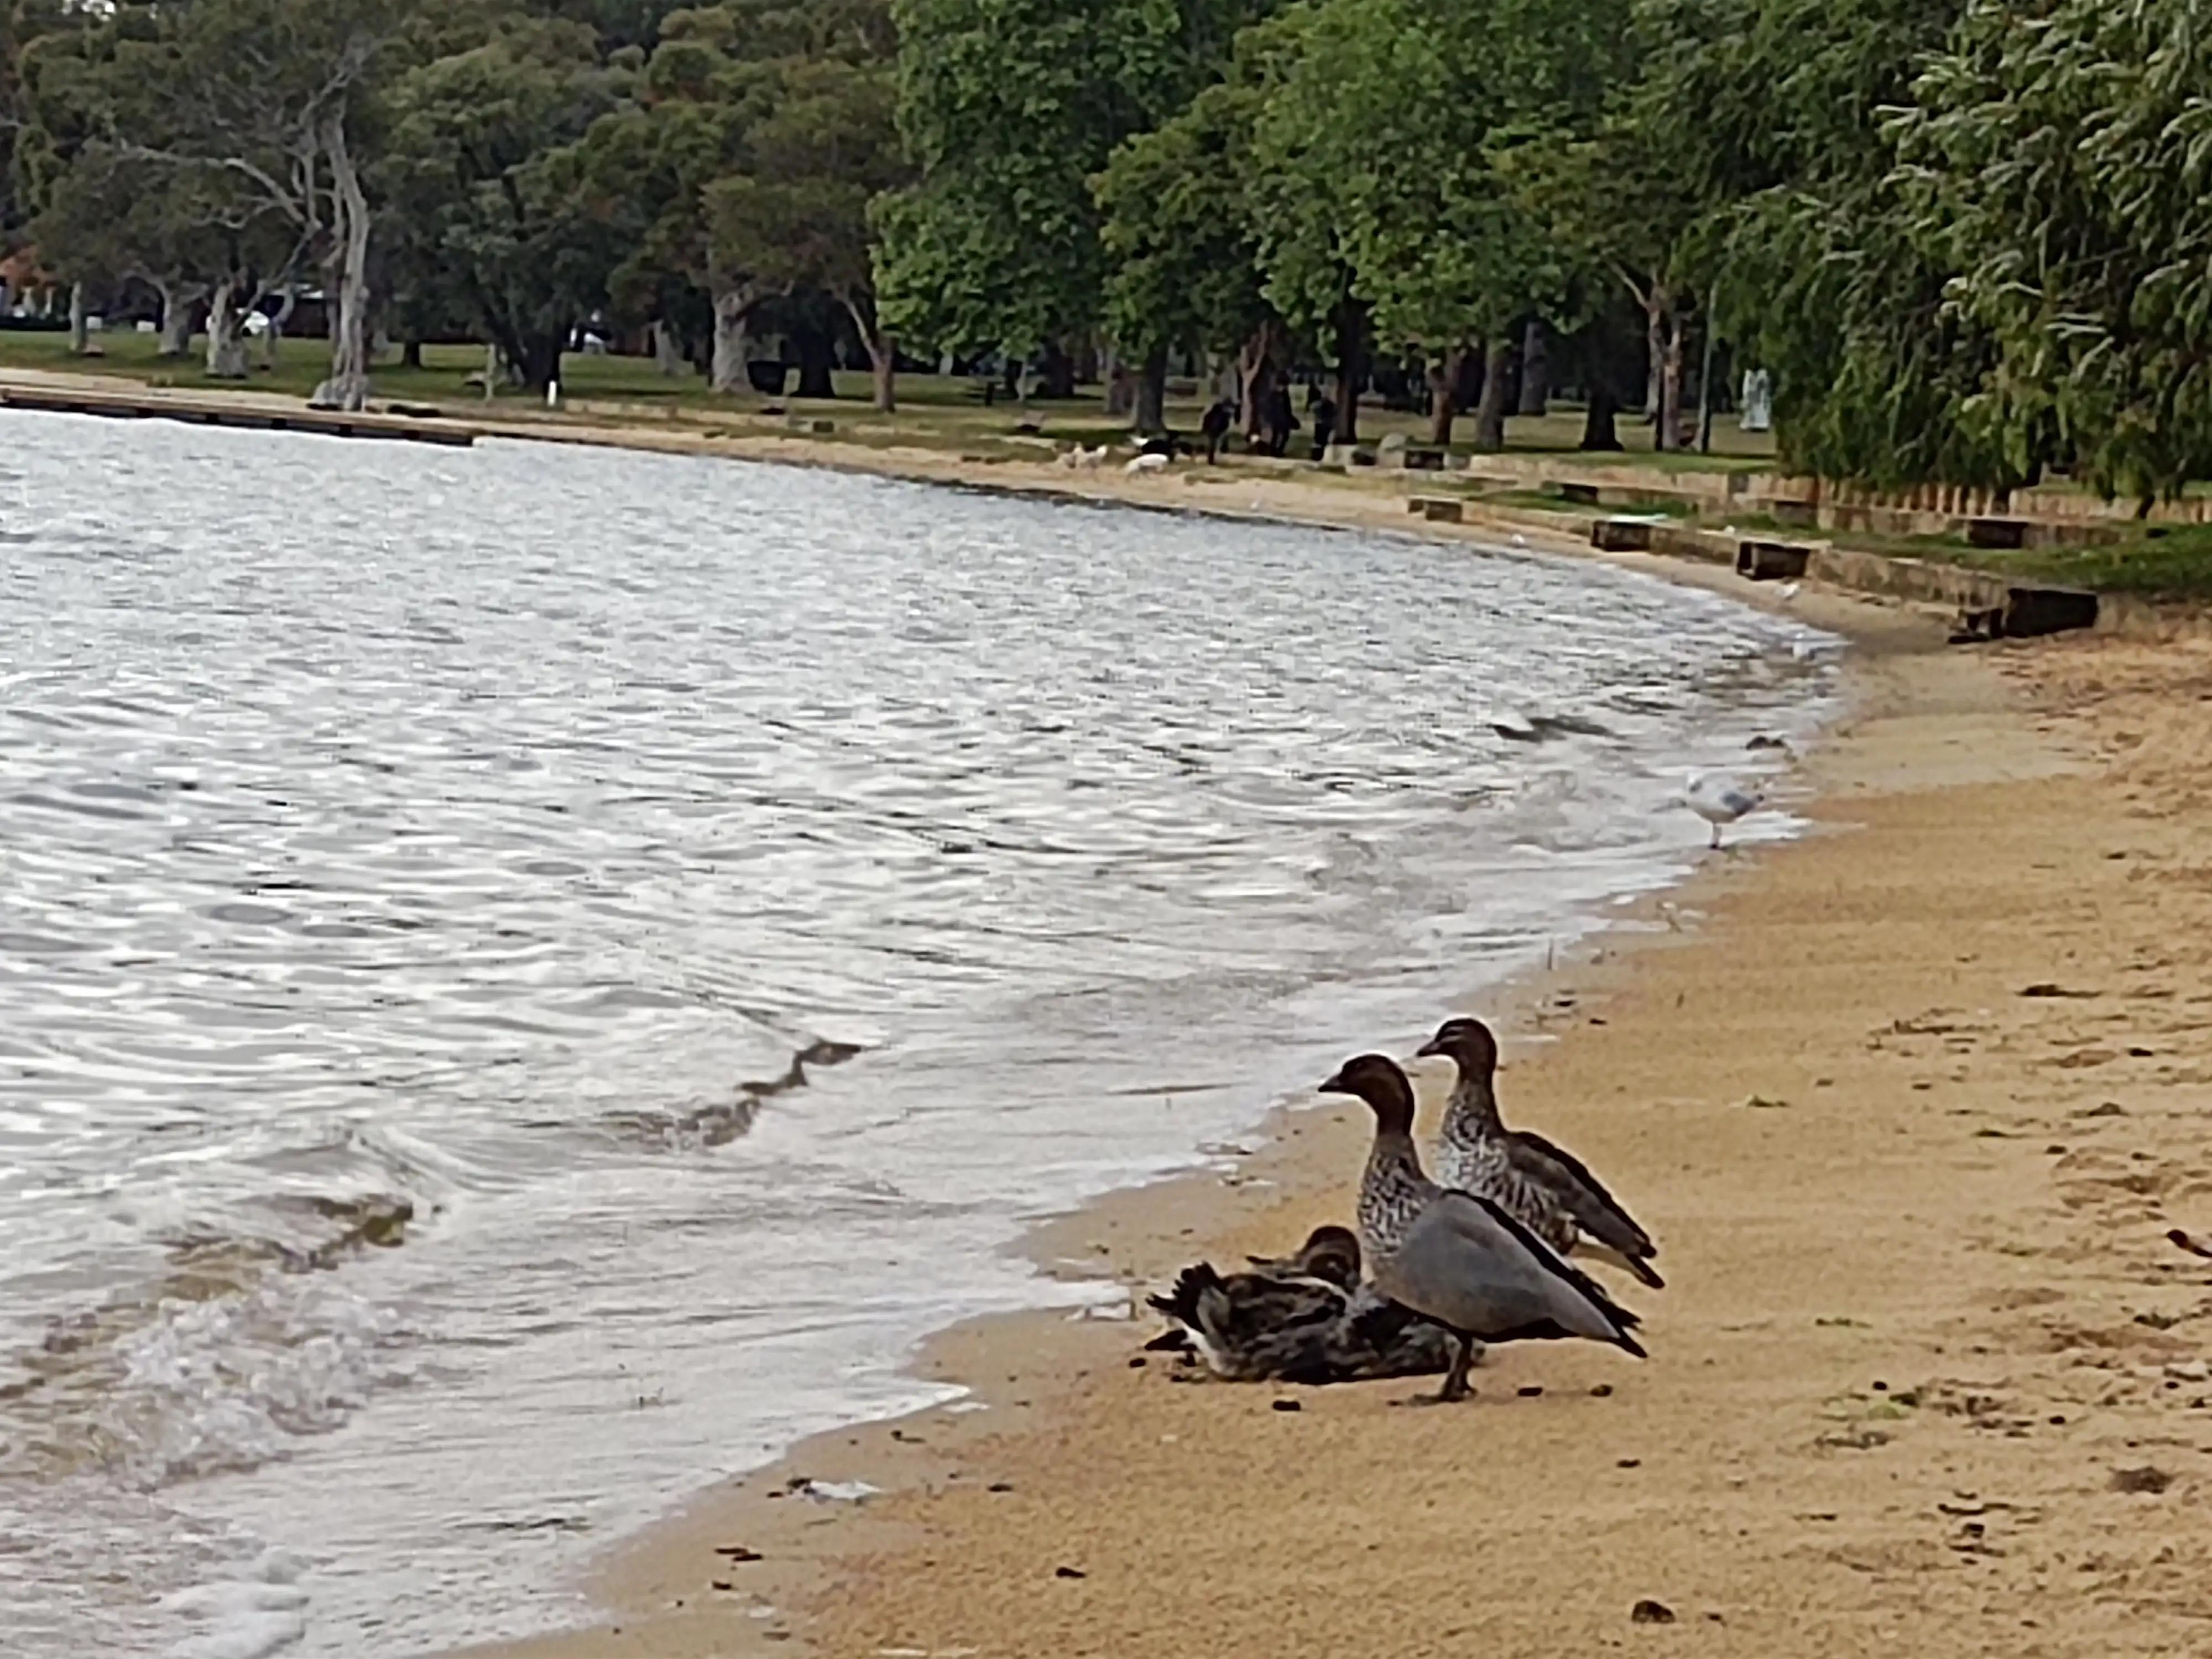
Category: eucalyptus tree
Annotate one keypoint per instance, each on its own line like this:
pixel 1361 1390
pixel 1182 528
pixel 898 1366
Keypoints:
pixel 479 163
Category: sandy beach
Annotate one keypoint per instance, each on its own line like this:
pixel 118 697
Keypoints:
pixel 1911 1104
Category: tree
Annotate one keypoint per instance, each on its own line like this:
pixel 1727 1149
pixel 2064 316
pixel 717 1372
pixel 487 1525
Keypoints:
pixel 268 98
pixel 1777 108
pixel 1183 256
pixel 2060 165
pixel 798 219
pixel 480 163
pixel 1007 109
pixel 681 178
pixel 1383 202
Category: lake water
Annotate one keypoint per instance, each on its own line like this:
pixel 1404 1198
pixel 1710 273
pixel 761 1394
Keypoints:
pixel 416 867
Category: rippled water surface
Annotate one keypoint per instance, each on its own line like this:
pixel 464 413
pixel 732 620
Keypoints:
pixel 421 870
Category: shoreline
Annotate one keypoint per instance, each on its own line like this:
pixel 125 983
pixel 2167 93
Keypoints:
pixel 1922 1374
pixel 1373 500
pixel 1028 1367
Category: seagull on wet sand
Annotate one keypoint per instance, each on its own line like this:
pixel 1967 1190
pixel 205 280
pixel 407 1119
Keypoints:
pixel 1720 801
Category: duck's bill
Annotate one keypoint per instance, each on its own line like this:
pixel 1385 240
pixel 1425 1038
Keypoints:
pixel 1431 1047
pixel 1334 1083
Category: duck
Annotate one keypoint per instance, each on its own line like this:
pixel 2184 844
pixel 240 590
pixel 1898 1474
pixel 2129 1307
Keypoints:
pixel 1458 1259
pixel 1545 1187
pixel 1303 1318
pixel 1720 801
pixel 1330 1253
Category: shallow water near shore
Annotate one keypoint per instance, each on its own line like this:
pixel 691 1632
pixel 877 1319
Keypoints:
pixel 530 977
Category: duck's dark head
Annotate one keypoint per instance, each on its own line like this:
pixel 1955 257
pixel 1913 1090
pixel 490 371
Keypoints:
pixel 1331 1253
pixel 1378 1080
pixel 1469 1044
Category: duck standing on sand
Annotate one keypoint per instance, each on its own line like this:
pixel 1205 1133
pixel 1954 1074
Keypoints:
pixel 1304 1318
pixel 1459 1260
pixel 1545 1189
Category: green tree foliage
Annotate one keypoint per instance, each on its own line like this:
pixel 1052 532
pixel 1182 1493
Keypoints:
pixel 745 169
pixel 1007 109
pixel 480 163
pixel 1182 248
pixel 2061 165
pixel 1782 110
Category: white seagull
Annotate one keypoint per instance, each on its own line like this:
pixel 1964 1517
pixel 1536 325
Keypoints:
pixel 1720 801
pixel 1152 462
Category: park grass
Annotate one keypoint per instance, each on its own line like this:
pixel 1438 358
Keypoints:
pixel 935 410
pixel 2156 561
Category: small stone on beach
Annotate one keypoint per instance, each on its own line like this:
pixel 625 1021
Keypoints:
pixel 1530 1390
pixel 2143 1480
pixel 1649 1611
pixel 1601 1391
pixel 1287 1406
pixel 1069 1572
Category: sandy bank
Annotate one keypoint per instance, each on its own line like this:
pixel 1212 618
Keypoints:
pixel 1910 1105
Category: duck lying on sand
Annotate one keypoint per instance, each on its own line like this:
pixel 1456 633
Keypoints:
pixel 1460 1260
pixel 1304 1318
pixel 1543 1186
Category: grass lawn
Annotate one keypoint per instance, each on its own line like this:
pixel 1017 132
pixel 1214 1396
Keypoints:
pixel 938 411
pixel 2168 562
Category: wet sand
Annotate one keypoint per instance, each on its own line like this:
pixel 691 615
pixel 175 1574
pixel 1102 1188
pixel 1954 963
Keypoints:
pixel 1911 1104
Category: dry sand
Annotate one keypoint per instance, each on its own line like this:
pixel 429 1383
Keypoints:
pixel 1911 1104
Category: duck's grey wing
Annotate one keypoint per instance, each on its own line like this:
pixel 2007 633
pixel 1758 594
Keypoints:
pixel 1596 1211
pixel 1470 1267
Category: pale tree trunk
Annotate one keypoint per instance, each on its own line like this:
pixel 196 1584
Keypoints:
pixel 1665 430
pixel 883 364
pixel 883 351
pixel 176 336
pixel 733 311
pixel 80 321
pixel 1535 371
pixel 1151 416
pixel 668 351
pixel 347 386
pixel 272 338
pixel 1655 353
pixel 226 346
pixel 1443 374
